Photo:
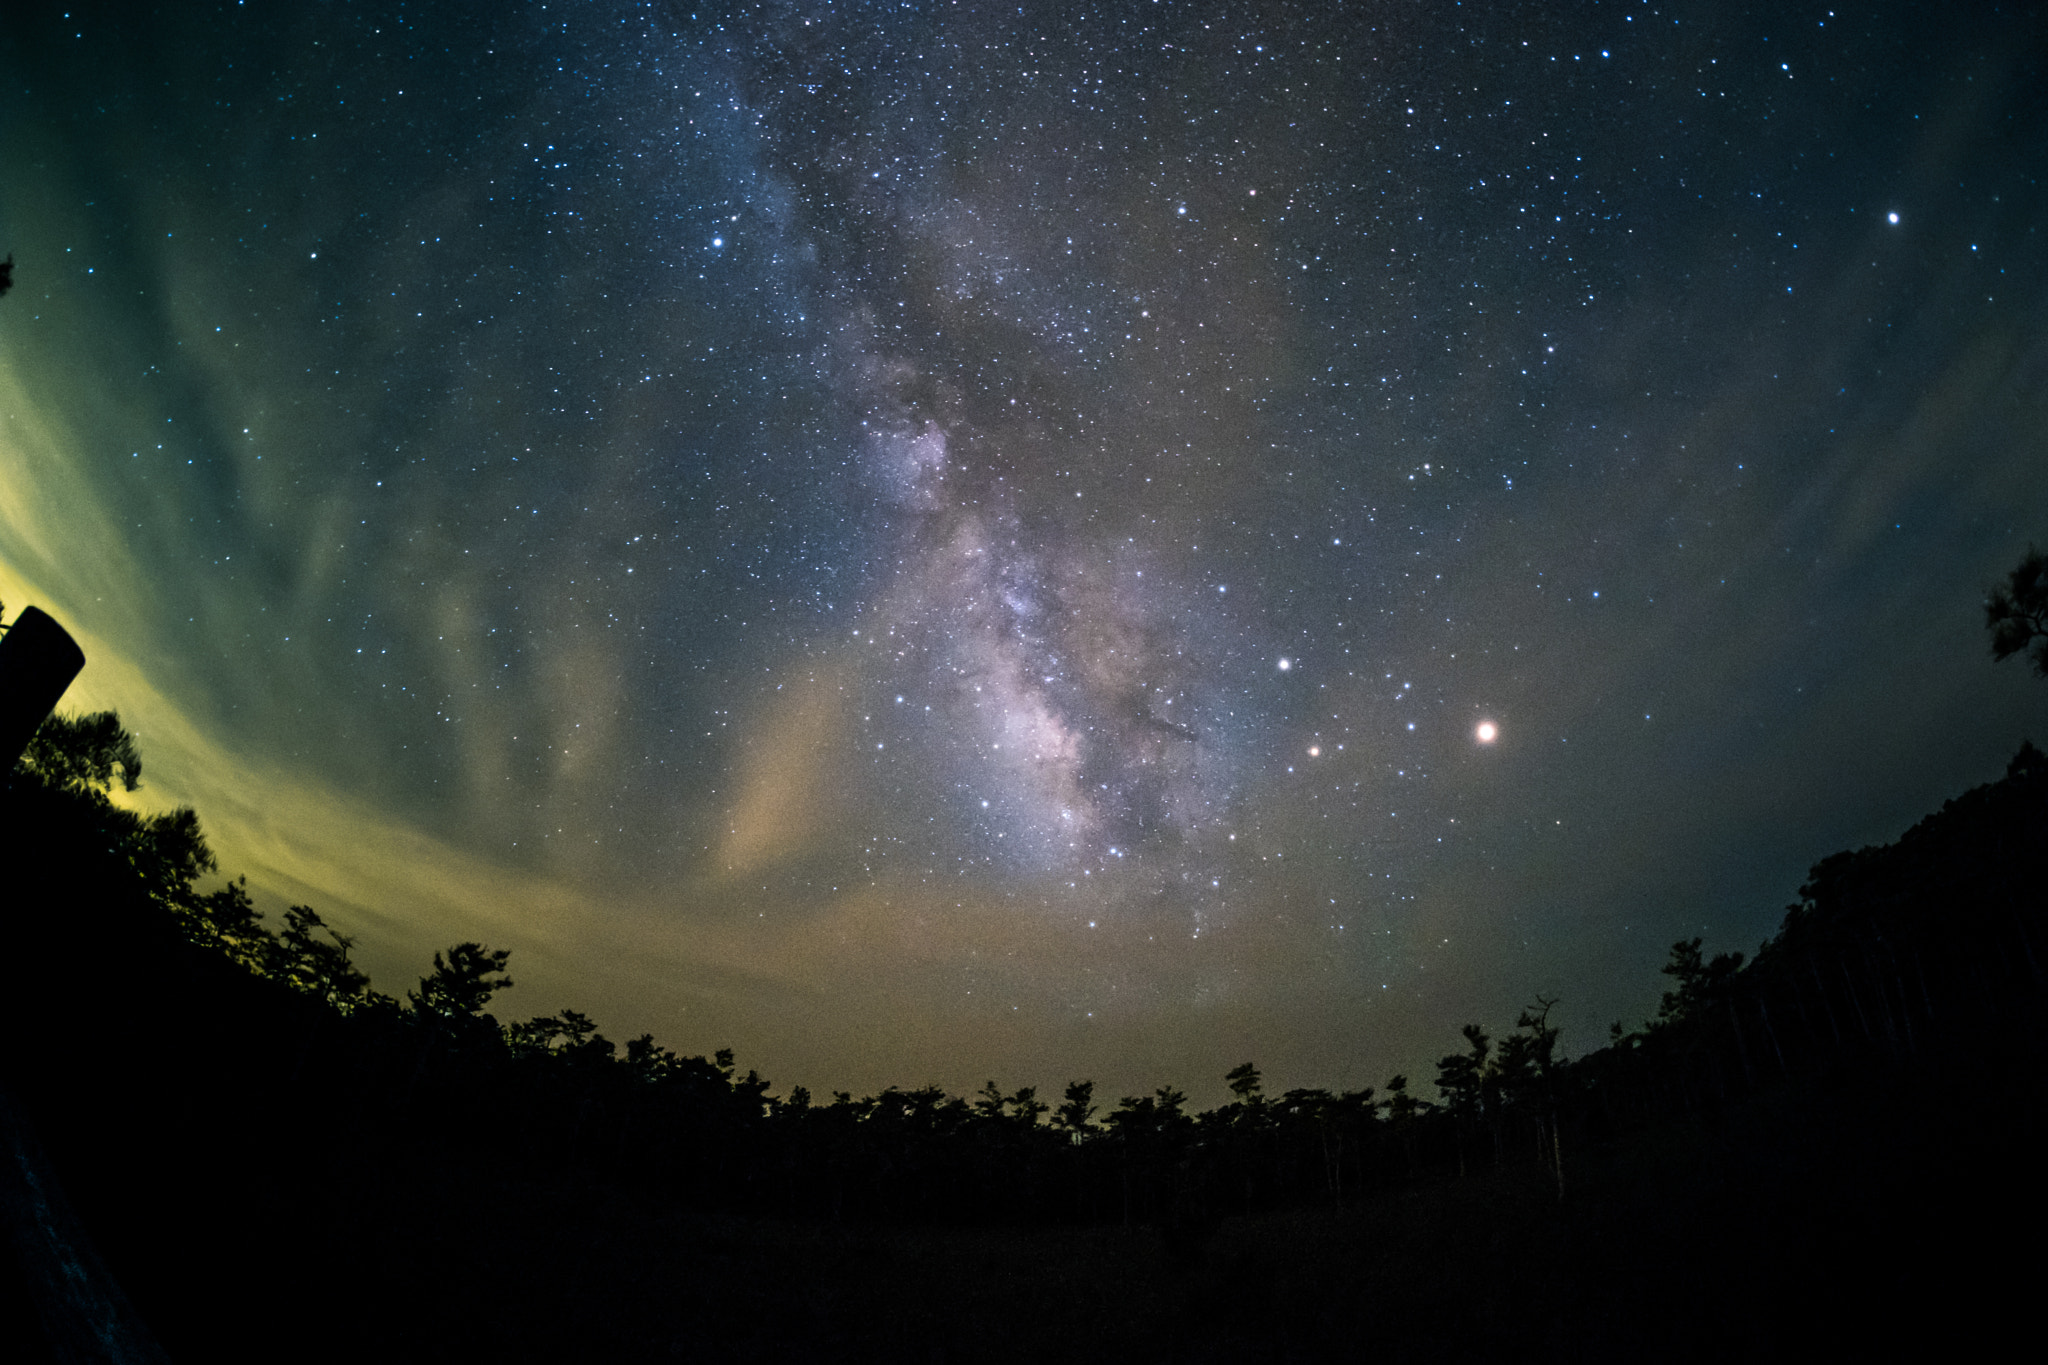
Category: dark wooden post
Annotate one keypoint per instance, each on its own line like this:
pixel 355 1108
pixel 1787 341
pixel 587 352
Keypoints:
pixel 38 660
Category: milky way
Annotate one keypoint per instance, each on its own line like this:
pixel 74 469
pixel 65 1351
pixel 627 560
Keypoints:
pixel 928 541
pixel 1057 701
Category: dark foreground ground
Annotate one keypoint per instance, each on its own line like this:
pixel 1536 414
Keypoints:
pixel 1882 1214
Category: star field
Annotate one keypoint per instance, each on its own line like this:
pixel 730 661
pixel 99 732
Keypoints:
pixel 928 540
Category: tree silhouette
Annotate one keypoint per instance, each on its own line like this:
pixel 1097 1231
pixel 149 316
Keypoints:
pixel 2017 612
pixel 653 1063
pixel 1142 1119
pixel 6 275
pixel 171 853
pixel 461 984
pixel 1461 1079
pixel 83 756
pixel 313 958
pixel 229 922
pixel 1025 1106
pixel 1534 1051
pixel 1699 981
pixel 1458 1075
pixel 84 752
pixel 1073 1116
pixel 1541 1033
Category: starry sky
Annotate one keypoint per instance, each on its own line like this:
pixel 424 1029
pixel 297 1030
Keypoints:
pixel 927 542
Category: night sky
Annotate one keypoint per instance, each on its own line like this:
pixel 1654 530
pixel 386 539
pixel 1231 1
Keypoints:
pixel 928 542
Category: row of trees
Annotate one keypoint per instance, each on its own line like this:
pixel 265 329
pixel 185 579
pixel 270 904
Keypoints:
pixel 1887 952
pixel 1895 952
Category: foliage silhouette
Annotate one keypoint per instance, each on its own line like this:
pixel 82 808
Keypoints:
pixel 85 752
pixel 1074 1113
pixel 1921 959
pixel 461 985
pixel 1700 983
pixel 2016 612
pixel 313 958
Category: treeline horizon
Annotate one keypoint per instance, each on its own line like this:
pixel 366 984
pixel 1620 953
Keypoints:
pixel 1853 973
pixel 1835 1136
pixel 83 756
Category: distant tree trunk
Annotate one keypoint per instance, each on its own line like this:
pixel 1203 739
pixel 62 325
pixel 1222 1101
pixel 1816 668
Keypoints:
pixel 1805 1017
pixel 419 1069
pixel 1764 1012
pixel 2027 947
pixel 1557 1153
pixel 1822 986
pixel 1905 1001
pixel 1985 996
pixel 623 1127
pixel 1854 998
pixel 1884 1000
pixel 1741 1044
pixel 1920 978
